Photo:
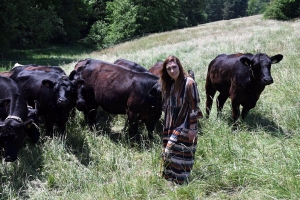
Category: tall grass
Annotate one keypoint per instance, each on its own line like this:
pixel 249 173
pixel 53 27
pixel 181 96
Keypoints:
pixel 260 160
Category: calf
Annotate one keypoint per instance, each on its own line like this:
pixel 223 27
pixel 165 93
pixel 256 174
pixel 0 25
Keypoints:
pixel 54 94
pixel 118 90
pixel 242 77
pixel 14 123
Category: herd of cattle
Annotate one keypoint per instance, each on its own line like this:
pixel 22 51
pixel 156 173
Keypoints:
pixel 33 94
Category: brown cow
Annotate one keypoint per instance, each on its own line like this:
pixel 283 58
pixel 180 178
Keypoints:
pixel 118 90
pixel 242 77
pixel 156 68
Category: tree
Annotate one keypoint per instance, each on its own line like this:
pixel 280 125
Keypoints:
pixel 122 15
pixel 213 10
pixel 27 23
pixel 283 9
pixel 191 13
pixel 257 6
pixel 234 9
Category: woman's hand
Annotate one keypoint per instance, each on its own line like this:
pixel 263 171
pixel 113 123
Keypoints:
pixel 192 135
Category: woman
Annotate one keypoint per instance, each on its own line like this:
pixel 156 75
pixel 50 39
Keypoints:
pixel 181 106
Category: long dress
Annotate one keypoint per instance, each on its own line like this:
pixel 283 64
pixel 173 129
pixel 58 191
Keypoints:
pixel 181 111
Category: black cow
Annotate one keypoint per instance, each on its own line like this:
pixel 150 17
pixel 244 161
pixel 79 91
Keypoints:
pixel 242 77
pixel 55 69
pixel 130 65
pixel 55 95
pixel 118 90
pixel 14 123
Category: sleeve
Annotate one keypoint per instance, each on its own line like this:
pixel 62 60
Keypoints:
pixel 173 139
pixel 194 101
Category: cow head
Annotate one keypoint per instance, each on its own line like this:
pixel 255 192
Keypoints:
pixel 155 96
pixel 12 136
pixel 63 90
pixel 75 77
pixel 260 65
pixel 80 101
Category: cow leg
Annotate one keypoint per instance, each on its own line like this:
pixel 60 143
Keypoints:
pixel 11 151
pixel 62 128
pixel 235 106
pixel 49 128
pixel 220 103
pixel 244 112
pixel 150 128
pixel 132 125
pixel 90 116
pixel 210 93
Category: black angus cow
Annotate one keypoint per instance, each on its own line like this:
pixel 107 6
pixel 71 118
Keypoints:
pixel 119 90
pixel 14 122
pixel 55 69
pixel 130 65
pixel 242 77
pixel 54 95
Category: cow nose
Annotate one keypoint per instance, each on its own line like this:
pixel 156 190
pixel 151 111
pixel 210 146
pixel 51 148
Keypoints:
pixel 62 101
pixel 10 159
pixel 80 103
pixel 268 81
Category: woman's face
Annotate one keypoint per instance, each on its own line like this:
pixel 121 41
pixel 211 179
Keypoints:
pixel 173 70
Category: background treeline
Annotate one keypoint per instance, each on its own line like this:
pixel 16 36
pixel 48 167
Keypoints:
pixel 101 23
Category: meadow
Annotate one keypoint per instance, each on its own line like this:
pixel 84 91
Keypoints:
pixel 259 160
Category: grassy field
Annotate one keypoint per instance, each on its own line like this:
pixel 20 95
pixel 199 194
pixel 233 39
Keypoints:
pixel 260 160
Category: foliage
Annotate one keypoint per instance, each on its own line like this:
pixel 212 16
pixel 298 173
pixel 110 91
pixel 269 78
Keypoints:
pixel 257 6
pixel 97 34
pixel 122 15
pixel 25 24
pixel 74 15
pixel 283 10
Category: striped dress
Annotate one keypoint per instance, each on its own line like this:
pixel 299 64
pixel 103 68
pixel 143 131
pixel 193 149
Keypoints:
pixel 181 111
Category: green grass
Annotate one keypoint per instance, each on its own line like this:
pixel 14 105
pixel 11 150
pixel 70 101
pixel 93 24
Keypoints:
pixel 260 160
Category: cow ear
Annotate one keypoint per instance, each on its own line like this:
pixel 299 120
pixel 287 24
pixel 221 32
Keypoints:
pixel 276 59
pixel 155 90
pixel 192 74
pixel 48 83
pixel 246 61
pixel 4 102
pixel 72 74
pixel 37 105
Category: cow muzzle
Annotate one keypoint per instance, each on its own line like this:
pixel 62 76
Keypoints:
pixel 267 81
pixel 80 105
pixel 62 101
